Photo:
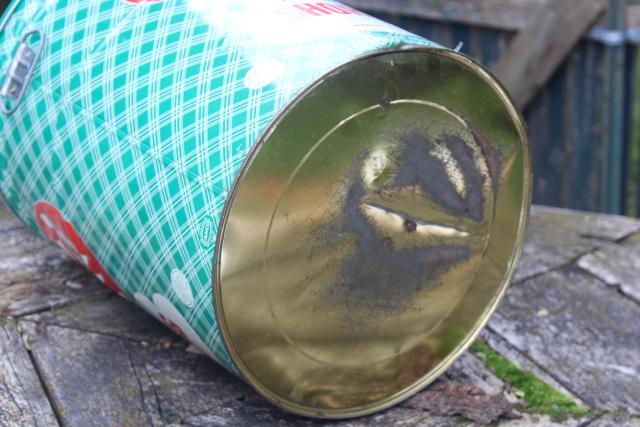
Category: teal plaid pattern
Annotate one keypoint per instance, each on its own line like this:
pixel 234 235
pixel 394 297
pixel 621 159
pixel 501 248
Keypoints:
pixel 137 122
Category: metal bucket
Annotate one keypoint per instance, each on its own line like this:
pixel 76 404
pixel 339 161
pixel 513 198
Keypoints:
pixel 327 205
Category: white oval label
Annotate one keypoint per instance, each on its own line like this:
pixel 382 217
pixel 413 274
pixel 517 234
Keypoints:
pixel 263 72
pixel 181 287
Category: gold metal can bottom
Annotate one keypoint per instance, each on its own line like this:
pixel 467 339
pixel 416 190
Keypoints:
pixel 372 232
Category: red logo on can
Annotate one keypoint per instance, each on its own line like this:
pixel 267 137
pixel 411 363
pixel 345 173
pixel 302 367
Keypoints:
pixel 142 1
pixel 61 232
pixel 325 8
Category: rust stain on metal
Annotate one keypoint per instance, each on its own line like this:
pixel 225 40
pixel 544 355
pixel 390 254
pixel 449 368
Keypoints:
pixel 385 102
pixel 490 155
pixel 420 167
pixel 379 278
pixel 410 225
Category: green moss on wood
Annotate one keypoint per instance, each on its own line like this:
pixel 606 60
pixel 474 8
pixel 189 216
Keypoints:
pixel 541 398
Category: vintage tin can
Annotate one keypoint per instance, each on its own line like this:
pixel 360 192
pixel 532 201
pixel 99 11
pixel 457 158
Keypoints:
pixel 327 205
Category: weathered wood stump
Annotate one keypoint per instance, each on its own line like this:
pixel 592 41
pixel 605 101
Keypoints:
pixel 563 348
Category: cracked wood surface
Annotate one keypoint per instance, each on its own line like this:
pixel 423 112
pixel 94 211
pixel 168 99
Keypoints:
pixel 22 398
pixel 75 354
pixel 585 334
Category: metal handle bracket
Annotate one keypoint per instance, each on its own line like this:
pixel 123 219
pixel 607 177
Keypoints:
pixel 20 72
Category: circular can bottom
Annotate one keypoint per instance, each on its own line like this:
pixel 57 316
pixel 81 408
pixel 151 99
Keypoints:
pixel 372 232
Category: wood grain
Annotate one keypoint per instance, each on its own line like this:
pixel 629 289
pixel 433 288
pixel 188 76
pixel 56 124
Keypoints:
pixel 507 15
pixel 22 399
pixel 99 360
pixel 543 44
pixel 503 14
pixel 579 329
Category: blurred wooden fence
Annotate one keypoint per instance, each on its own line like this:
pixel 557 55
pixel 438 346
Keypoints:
pixel 581 122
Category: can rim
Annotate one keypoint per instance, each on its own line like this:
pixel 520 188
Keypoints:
pixel 7 12
pixel 479 325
